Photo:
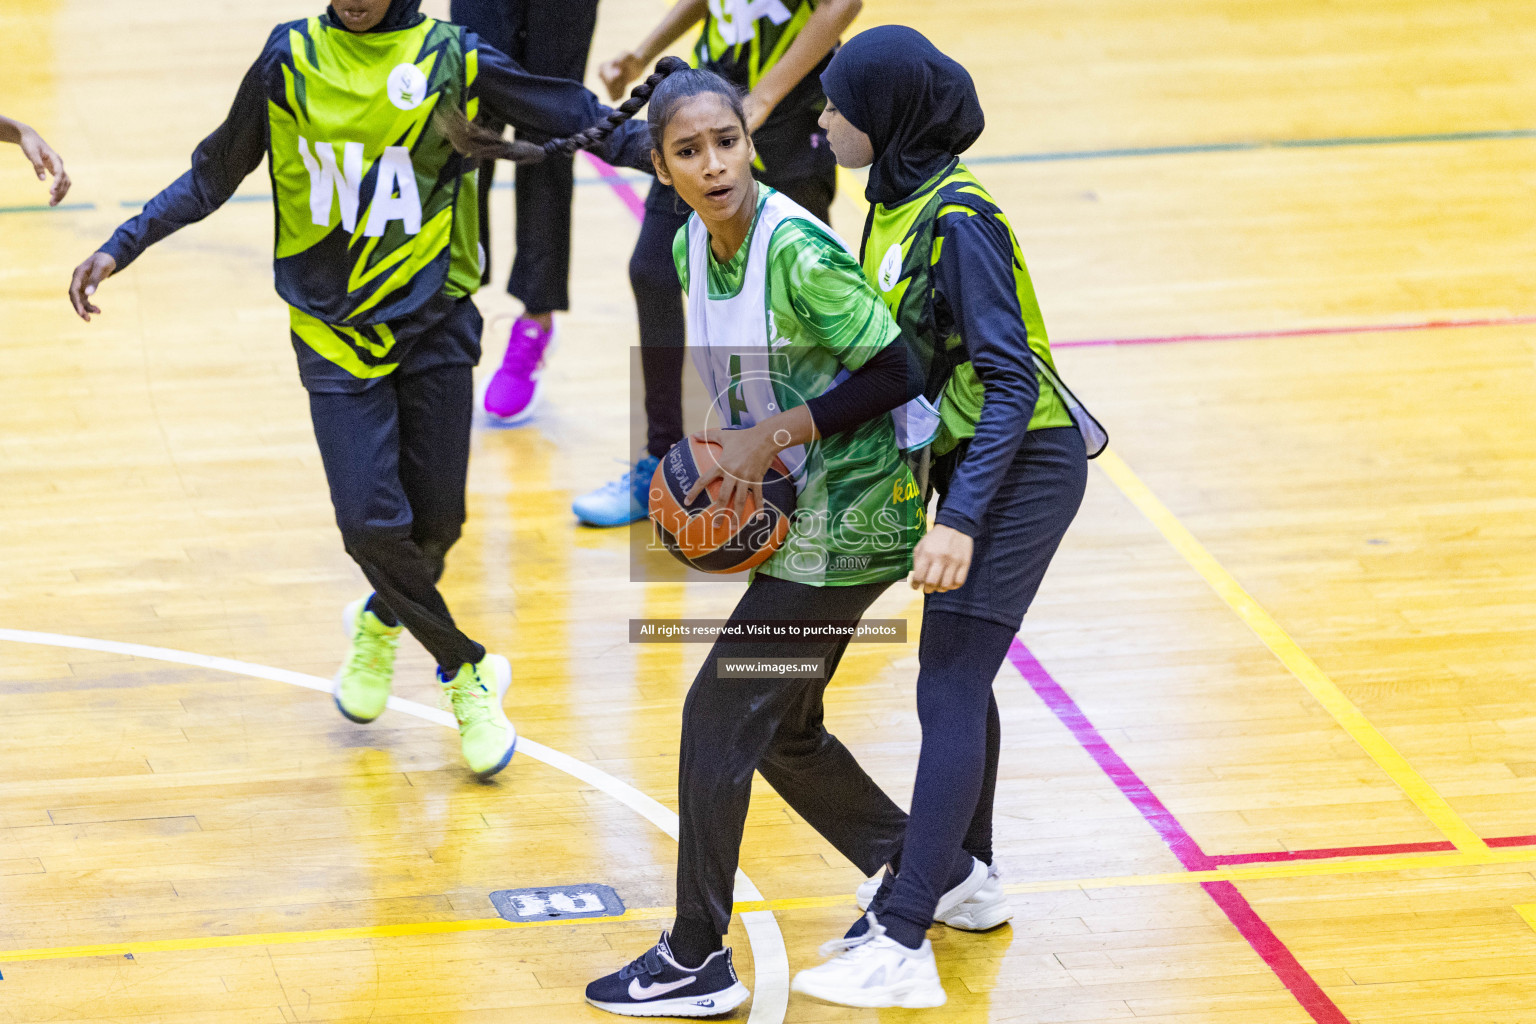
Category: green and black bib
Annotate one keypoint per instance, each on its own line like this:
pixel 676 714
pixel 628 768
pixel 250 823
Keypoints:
pixel 372 216
pixel 900 248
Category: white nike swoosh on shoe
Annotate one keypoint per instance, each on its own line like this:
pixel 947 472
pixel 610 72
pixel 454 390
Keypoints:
pixel 637 991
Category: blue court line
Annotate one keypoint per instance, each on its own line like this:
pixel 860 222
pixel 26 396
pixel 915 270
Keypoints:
pixel 1248 147
pixel 45 208
pixel 1058 156
pixel 260 197
pixel 266 197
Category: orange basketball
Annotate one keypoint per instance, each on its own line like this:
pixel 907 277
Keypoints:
pixel 717 540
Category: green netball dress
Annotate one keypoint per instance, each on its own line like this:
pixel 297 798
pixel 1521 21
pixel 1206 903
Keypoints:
pixel 775 327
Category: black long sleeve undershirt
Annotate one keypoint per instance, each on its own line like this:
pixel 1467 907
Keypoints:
pixel 888 379
pixel 974 282
pixel 551 107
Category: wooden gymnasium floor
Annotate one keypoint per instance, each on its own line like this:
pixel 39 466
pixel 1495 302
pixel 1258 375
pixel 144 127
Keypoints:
pixel 1271 751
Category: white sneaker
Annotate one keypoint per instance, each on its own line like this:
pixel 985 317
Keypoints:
pixel 980 898
pixel 983 910
pixel 874 970
pixel 864 895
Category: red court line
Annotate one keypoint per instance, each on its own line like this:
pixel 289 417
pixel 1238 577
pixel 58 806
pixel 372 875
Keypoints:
pixel 631 199
pixel 1239 911
pixel 1337 851
pixel 1300 332
pixel 1150 806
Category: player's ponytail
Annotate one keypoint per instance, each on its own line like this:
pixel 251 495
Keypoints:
pixel 684 86
pixel 480 143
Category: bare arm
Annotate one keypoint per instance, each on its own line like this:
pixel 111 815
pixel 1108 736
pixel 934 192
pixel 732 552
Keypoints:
pixel 626 67
pixel 41 155
pixel 747 453
pixel 822 30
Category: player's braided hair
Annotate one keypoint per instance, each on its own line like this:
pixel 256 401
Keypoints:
pixel 480 143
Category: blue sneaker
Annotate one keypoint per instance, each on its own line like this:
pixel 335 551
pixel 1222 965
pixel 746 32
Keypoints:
pixel 621 501
pixel 658 986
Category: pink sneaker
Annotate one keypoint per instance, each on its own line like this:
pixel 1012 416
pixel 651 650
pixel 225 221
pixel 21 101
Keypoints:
pixel 514 390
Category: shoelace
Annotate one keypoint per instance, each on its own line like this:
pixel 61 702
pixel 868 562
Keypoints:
pixel 640 484
pixel 629 483
pixel 854 945
pixel 469 707
pixel 648 963
pixel 369 651
pixel 524 350
pixel 619 486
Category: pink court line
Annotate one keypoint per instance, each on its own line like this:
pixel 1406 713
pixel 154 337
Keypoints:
pixel 1300 332
pixel 621 188
pixel 1242 915
pixel 1153 809
pixel 631 199
pixel 1239 911
pixel 1386 849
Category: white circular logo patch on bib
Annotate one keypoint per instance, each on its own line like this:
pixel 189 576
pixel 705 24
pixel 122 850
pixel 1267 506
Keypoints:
pixel 406 86
pixel 890 268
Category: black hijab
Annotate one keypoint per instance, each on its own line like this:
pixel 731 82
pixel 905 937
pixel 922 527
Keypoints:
pixel 918 107
pixel 401 14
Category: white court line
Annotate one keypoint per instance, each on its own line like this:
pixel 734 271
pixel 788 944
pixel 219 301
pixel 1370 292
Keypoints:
pixel 770 997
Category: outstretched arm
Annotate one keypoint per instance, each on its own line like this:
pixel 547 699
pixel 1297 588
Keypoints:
pixel 632 64
pixel 219 164
pixel 545 108
pixel 822 30
pixel 44 160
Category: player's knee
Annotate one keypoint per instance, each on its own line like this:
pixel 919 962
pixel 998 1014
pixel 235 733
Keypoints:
pixel 367 539
pixel 436 541
pixel 795 750
pixel 700 719
pixel 435 548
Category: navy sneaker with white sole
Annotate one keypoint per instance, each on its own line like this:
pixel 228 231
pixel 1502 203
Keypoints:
pixel 656 985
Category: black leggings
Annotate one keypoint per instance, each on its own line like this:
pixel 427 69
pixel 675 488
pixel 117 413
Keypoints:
pixel 659 300
pixel 397 457
pixel 733 725
pixel 966 635
pixel 550 39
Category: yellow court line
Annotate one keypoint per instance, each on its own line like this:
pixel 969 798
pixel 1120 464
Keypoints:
pixel 1323 689
pixel 1527 911
pixel 1239 873
pixel 376 931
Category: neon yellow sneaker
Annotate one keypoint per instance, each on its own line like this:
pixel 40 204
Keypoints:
pixel 363 681
pixel 486 735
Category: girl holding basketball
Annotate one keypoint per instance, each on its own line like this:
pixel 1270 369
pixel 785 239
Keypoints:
pixel 778 312
pixel 1011 468
pixel 777 49
pixel 376 254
